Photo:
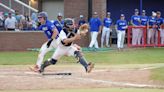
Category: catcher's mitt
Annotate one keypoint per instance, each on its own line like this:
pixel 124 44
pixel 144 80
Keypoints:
pixel 84 28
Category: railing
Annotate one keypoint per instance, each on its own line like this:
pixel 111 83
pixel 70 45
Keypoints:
pixel 22 6
pixel 6 7
pixel 144 38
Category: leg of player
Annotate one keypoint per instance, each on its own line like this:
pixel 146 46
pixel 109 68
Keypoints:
pixel 118 39
pixel 139 36
pixel 47 63
pixel 41 55
pixel 94 40
pixel 122 39
pixel 88 66
pixel 162 36
pixel 108 37
pixel 103 37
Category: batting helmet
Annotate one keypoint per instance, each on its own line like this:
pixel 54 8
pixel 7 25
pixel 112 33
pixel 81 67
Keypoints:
pixel 68 22
pixel 43 14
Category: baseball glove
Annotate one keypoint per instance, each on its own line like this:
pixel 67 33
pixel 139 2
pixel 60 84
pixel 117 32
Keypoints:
pixel 84 29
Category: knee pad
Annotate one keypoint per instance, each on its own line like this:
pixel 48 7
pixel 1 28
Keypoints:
pixel 53 61
pixel 77 54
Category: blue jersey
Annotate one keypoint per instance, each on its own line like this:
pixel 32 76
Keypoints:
pixel 136 20
pixel 81 22
pixel 48 28
pixel 144 20
pixel 159 21
pixel 59 25
pixel 152 21
pixel 121 25
pixel 107 22
pixel 94 23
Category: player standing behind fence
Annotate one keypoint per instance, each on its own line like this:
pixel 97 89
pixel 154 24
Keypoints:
pixel 136 32
pixel 51 33
pixel 151 28
pixel 144 21
pixel 59 23
pixel 107 22
pixel 162 32
pixel 95 29
pixel 66 47
pixel 159 23
pixel 121 26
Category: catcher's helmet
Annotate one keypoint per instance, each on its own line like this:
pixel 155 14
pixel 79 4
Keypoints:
pixel 68 22
pixel 43 14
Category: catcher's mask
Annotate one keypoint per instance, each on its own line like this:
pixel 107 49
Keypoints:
pixel 68 22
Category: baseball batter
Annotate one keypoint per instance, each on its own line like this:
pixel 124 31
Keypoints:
pixel 52 35
pixel 66 47
pixel 107 22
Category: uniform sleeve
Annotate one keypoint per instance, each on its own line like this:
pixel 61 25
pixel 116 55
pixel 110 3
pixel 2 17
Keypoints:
pixel 62 35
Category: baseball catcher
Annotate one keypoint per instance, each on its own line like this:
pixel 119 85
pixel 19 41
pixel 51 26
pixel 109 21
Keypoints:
pixel 66 47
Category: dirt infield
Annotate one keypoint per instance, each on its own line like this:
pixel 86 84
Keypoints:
pixel 20 77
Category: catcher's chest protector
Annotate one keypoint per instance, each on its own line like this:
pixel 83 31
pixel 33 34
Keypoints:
pixel 69 35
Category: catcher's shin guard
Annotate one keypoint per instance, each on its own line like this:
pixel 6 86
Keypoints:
pixel 88 67
pixel 47 63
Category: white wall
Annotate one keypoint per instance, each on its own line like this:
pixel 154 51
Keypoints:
pixel 52 7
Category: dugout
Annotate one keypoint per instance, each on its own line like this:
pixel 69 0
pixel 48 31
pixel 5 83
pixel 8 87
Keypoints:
pixel 116 7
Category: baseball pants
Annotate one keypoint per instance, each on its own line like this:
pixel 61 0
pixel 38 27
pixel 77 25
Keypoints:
pixel 140 35
pixel 120 38
pixel 162 36
pixel 150 36
pixel 135 35
pixel 64 50
pixel 94 41
pixel 105 33
pixel 44 50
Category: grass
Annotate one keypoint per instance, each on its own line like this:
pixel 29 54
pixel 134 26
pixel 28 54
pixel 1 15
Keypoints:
pixel 141 56
pixel 93 90
pixel 158 74
pixel 113 57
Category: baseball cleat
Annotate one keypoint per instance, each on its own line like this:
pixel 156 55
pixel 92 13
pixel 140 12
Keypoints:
pixel 90 67
pixel 34 68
